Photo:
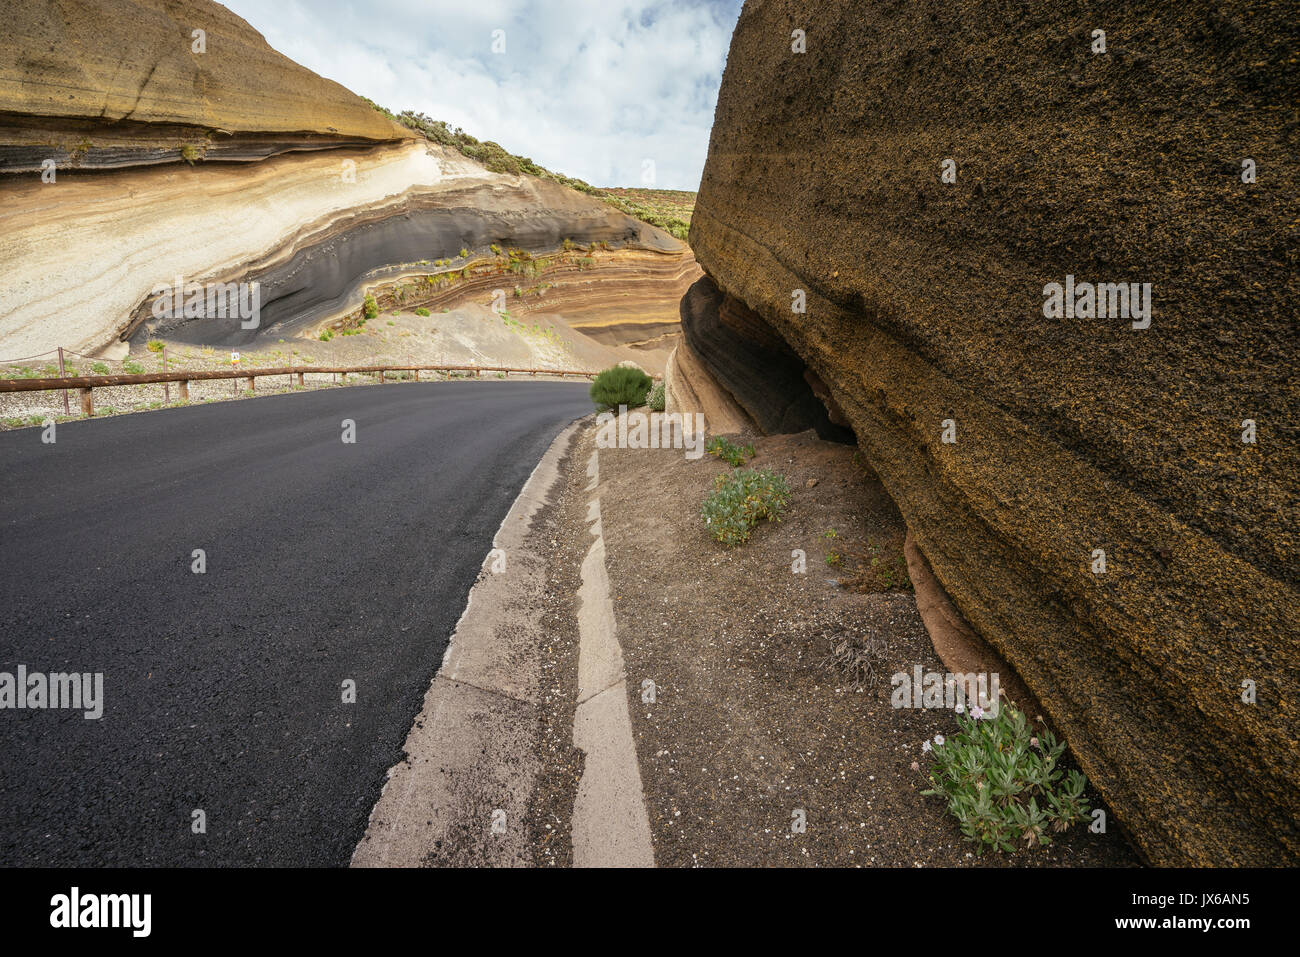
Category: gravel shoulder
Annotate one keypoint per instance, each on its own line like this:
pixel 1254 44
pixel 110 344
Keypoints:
pixel 750 723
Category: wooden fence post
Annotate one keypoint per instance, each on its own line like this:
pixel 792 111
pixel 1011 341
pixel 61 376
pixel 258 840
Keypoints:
pixel 66 410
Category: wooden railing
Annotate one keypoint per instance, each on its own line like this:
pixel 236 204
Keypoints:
pixel 86 384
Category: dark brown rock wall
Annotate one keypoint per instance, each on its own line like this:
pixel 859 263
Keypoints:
pixel 925 303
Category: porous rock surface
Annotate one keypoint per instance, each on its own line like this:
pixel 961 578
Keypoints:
pixel 925 308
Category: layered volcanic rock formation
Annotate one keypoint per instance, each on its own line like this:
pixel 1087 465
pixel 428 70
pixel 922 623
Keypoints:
pixel 102 84
pixel 174 168
pixel 624 297
pixel 925 317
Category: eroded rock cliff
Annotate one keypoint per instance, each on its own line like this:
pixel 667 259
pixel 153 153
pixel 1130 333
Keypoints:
pixel 925 317
pixel 154 143
pixel 99 84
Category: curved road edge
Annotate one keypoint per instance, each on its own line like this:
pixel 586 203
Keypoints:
pixel 473 755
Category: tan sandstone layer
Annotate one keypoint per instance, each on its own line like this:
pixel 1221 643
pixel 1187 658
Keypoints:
pixel 105 83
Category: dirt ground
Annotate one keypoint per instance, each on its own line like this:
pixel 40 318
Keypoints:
pixel 751 724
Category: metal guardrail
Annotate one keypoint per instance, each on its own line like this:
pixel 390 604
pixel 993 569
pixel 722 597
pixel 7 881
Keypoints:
pixel 86 384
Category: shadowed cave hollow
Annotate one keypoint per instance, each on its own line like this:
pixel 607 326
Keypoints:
pixel 752 362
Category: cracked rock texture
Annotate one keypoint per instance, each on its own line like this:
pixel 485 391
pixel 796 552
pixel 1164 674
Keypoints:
pixel 925 304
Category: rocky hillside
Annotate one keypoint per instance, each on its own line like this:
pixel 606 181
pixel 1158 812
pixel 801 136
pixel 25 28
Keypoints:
pixel 920 176
pixel 142 142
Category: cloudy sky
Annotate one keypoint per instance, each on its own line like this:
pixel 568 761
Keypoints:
pixel 589 88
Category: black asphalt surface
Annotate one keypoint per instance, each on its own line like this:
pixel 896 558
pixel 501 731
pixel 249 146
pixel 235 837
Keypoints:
pixel 223 691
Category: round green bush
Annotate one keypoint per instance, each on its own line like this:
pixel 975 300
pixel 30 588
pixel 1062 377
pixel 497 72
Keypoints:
pixel 620 385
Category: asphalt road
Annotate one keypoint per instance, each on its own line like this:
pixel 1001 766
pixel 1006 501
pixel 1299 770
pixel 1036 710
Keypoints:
pixel 223 691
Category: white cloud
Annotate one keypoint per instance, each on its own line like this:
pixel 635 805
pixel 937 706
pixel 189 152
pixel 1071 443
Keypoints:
pixel 589 88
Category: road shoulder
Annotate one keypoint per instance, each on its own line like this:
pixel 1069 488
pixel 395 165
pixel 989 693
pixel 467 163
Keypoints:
pixel 488 759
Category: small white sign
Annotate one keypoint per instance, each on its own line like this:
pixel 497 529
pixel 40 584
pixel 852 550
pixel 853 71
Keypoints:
pixel 234 358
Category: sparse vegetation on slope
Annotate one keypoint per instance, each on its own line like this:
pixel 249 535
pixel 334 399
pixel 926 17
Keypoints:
pixel 492 155
pixel 668 209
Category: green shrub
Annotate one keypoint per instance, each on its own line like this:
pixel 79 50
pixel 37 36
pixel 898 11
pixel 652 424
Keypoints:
pixel 620 385
pixel 130 367
pixel 732 454
pixel 492 155
pixel 327 335
pixel 371 307
pixel 154 345
pixel 422 311
pixel 655 398
pixel 995 771
pixel 741 500
pixel 99 368
pixel 464 254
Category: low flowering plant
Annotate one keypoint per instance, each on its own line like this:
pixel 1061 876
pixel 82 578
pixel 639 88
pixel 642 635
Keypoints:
pixel 1003 783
